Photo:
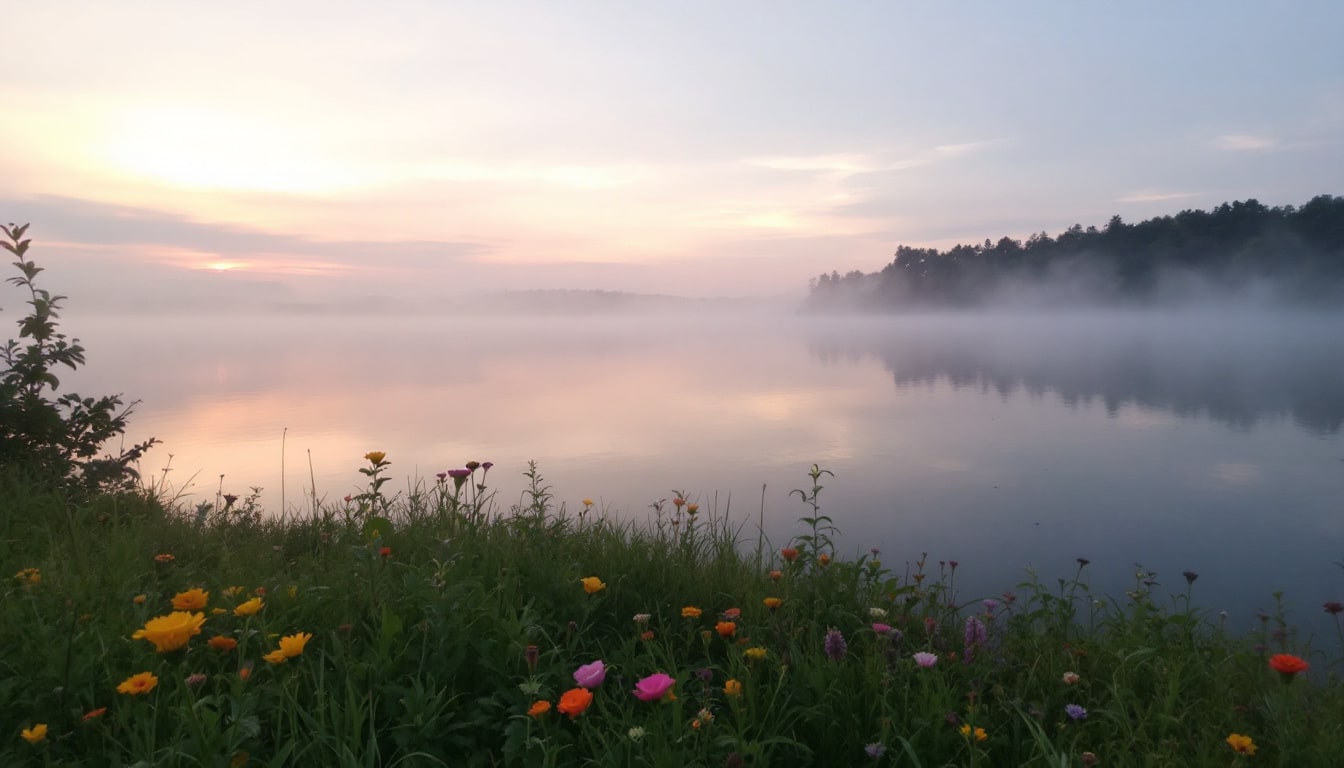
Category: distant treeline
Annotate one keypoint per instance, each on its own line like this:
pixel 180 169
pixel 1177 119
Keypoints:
pixel 1240 249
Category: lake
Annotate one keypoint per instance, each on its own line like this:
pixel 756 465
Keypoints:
pixel 1208 442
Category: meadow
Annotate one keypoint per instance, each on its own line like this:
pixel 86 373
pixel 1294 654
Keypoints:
pixel 442 626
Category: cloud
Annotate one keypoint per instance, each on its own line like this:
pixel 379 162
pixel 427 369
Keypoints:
pixel 1244 142
pixel 1151 196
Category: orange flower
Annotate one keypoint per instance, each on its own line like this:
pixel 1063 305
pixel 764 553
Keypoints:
pixel 575 701
pixel 678 502
pixel 789 553
pixel 725 629
pixel 733 688
pixel 646 636
pixel 592 584
pixel 1287 664
pixel 772 603
pixel 222 644
pixel 139 599
pixel 776 575
pixel 691 509
pixel 823 559
pixel 1242 745
pixel 690 612
pixel 539 708
pixel 35 734
pixel 164 558
pixel 94 714
pixel 292 645
pixel 137 684
pixel 191 600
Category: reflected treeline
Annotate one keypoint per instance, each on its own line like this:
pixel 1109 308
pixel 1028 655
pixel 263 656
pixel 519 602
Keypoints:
pixel 1237 371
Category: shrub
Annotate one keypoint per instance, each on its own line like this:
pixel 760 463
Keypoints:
pixel 49 438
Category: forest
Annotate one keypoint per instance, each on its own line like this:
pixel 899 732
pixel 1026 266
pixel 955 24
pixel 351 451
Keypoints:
pixel 1239 251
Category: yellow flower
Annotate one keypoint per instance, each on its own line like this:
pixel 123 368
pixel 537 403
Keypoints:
pixel 755 653
pixel 35 734
pixel 587 502
pixel 293 590
pixel 191 600
pixel 733 688
pixel 690 612
pixel 772 603
pixel 233 591
pixel 691 509
pixel 168 633
pixel 292 645
pixel 375 457
pixel 592 585
pixel 135 685
pixel 276 657
pixel 1242 745
pixel 249 608
pixel 980 734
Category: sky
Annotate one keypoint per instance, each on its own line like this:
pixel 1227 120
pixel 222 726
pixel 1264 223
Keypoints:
pixel 194 154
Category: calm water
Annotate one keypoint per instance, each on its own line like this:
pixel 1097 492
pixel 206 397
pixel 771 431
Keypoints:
pixel 1203 443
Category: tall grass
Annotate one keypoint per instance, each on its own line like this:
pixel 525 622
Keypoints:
pixel 440 619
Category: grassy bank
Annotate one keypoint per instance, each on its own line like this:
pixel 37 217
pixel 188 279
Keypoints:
pixel 448 628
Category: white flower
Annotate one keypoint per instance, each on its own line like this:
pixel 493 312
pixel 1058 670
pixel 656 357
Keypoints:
pixel 635 733
pixel 877 613
pixel 642 618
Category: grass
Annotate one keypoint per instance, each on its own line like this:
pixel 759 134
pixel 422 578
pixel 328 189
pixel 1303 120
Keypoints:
pixel 440 620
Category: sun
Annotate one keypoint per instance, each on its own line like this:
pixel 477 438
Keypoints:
pixel 223 266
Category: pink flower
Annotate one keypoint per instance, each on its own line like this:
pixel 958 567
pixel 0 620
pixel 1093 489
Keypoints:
pixel 880 628
pixel 654 687
pixel 924 659
pixel 591 675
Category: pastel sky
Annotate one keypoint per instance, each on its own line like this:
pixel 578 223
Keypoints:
pixel 196 152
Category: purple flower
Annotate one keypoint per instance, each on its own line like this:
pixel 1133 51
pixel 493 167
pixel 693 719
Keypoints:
pixel 975 636
pixel 835 645
pixel 990 605
pixel 875 750
pixel 1076 712
pixel 925 659
pixel 654 687
pixel 591 675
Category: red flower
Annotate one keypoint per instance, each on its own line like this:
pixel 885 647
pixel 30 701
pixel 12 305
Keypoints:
pixel 1334 607
pixel 1287 664
pixel 789 553
pixel 385 552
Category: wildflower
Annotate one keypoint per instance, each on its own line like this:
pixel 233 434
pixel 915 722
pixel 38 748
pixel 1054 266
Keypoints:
pixel 1075 712
pixel 678 502
pixel 1009 598
pixel 1242 745
pixel 875 750
pixel 776 575
pixel 772 603
pixel 574 701
pixel 375 457
pixel 171 632
pixel 703 717
pixel 139 599
pixel 642 618
pixel 834 644
pixel 1070 678
pixel 1287 665
pixel 646 636
pixel 233 591
pixel 732 614
pixel 690 612
pixel 705 674
pixel 249 608
pixel 1334 607
pixel 276 657
pixel 654 687
pixel 459 476
pixel 94 714
pixel 1190 576
pixel 261 591
pixel 137 684
pixel 293 590
pixel 755 653
pixel 384 552
pixel 880 628
pixel 222 644
pixel 691 509
pixel 191 600
pixel 531 654
pixel 539 708
pixel 29 577
pixel 877 613
pixel 726 629
pixel 592 585
pixel 591 675
pixel 975 635
pixel 195 680
pixel 636 733
pixel 292 645
pixel 1089 758
pixel 979 733
pixel 472 466
pixel 925 659
pixel 245 672
pixel 1083 561
pixel 732 688
pixel 823 559
pixel 990 604
pixel 164 558
pixel 587 502
pixel 789 553
pixel 35 734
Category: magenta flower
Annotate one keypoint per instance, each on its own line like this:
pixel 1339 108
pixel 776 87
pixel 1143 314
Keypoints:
pixel 880 628
pixel 925 659
pixel 654 687
pixel 591 675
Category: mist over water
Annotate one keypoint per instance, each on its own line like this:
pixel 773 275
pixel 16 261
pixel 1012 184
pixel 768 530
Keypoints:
pixel 1208 442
